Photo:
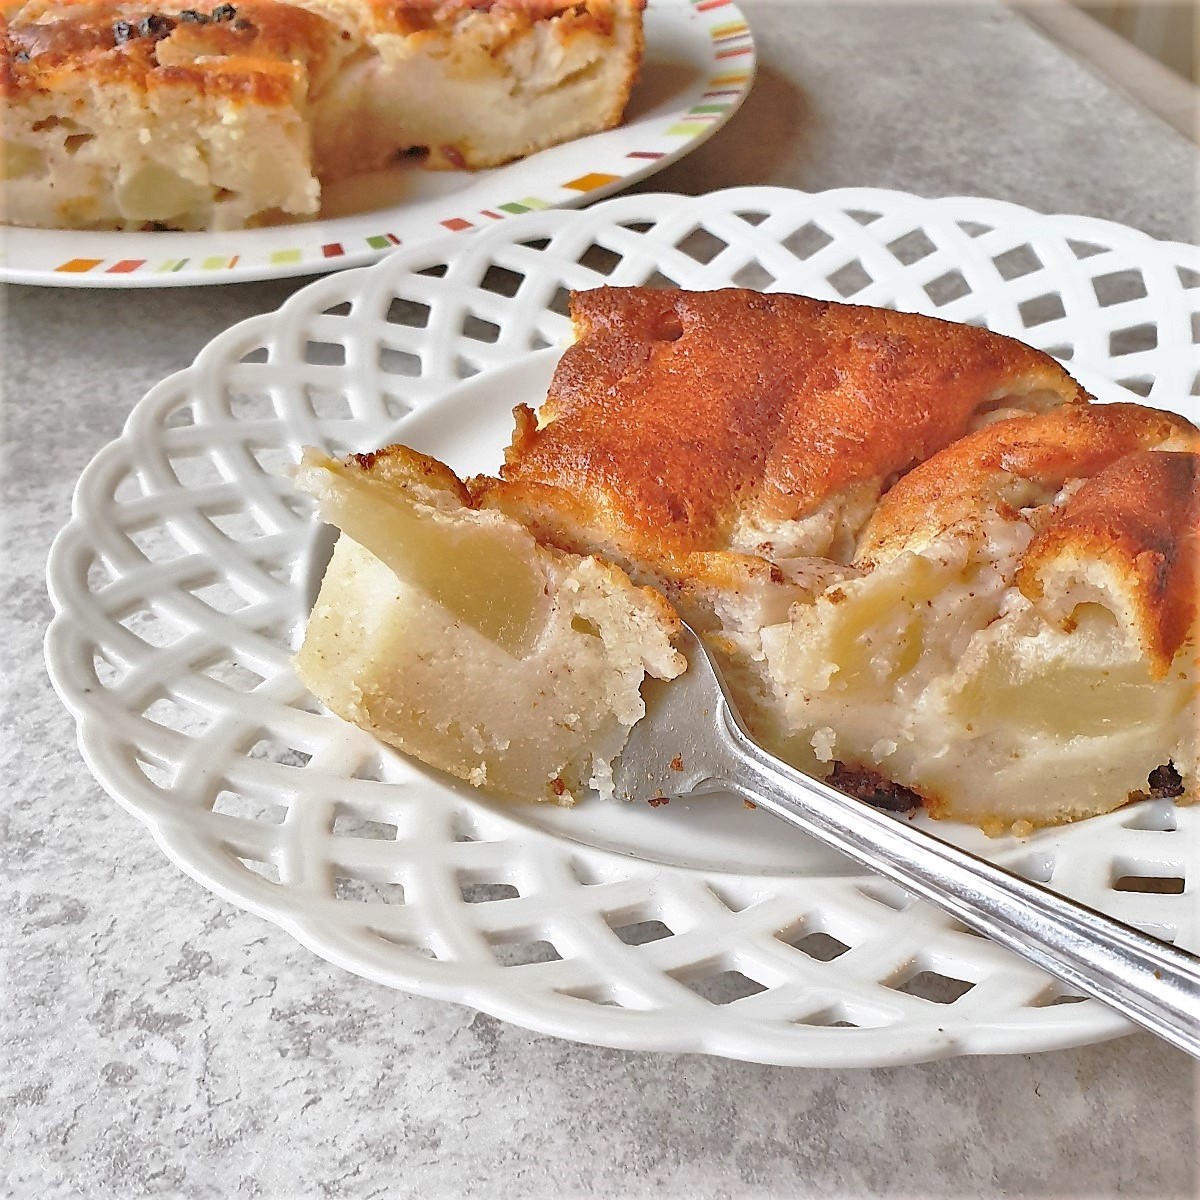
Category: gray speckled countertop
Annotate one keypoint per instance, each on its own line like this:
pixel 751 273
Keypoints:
pixel 156 1041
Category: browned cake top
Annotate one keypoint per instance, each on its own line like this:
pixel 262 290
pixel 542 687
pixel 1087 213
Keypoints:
pixel 1014 464
pixel 1140 517
pixel 412 16
pixel 257 49
pixel 677 415
pixel 1132 511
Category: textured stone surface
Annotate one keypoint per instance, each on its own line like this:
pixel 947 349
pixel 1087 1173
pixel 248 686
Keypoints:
pixel 155 1041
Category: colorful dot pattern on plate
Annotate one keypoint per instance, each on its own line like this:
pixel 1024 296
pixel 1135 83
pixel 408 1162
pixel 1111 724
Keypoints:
pixel 723 54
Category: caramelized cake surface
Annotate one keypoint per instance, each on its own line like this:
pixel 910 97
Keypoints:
pixel 696 423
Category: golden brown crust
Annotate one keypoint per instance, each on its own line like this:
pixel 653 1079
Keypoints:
pixel 141 42
pixel 259 54
pixel 658 435
pixel 401 466
pixel 407 16
pixel 991 468
pixel 1140 517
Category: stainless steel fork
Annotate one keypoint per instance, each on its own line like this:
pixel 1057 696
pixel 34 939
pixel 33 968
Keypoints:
pixel 692 741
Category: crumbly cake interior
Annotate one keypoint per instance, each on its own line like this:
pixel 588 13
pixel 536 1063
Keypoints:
pixel 521 673
pixel 121 115
pixel 979 597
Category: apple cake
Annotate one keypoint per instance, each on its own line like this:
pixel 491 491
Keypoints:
pixel 120 115
pixel 935 573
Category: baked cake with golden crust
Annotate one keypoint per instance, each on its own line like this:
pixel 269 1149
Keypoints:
pixel 120 115
pixel 934 571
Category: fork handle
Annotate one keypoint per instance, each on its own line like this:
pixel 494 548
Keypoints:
pixel 1149 981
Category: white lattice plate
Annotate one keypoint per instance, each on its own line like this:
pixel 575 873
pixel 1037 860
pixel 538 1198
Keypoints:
pixel 698 68
pixel 182 583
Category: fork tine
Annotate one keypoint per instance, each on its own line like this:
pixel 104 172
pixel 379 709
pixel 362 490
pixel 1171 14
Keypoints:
pixel 675 748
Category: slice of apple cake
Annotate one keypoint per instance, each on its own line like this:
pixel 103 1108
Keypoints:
pixel 934 571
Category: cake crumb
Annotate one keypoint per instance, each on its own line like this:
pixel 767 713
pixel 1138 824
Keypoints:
pixel 823 742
